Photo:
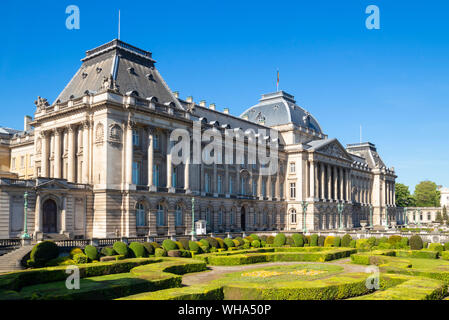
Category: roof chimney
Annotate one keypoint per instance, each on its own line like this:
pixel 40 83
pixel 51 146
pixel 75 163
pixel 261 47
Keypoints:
pixel 203 103
pixel 189 99
pixel 212 106
pixel 226 110
pixel 26 123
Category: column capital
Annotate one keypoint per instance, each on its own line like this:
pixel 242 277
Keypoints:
pixel 86 124
pixel 57 131
pixel 44 133
pixel 70 127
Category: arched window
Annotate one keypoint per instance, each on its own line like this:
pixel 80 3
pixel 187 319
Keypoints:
pixel 160 215
pixel 140 215
pixel 178 216
pixel 293 216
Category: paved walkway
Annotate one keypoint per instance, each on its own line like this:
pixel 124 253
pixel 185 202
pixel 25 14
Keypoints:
pixel 216 272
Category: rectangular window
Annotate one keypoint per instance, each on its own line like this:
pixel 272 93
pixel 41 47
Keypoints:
pixel 136 141
pixel 219 184
pixel 136 172
pixel 254 188
pixel 22 162
pixel 231 182
pixel 13 164
pixel 264 187
pixel 206 182
pixel 281 190
pixel 292 167
pixel 156 175
pixel 293 190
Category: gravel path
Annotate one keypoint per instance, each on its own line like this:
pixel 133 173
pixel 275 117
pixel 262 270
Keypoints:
pixel 216 272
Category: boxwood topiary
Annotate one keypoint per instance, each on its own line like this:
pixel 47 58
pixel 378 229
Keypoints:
pixel 121 248
pixel 249 238
pixel 279 240
pixel 91 252
pixel 160 252
pixel 352 244
pixel 148 248
pixel 193 246
pixel 329 242
pixel 80 258
pixel 168 245
pixel 155 245
pixel 179 244
pixel 185 243
pixel 108 251
pixel 212 242
pixel 290 241
pixel 416 242
pixel 263 238
pixel 321 240
pixel 446 246
pixel 298 240
pixel 237 243
pixel 314 240
pixel 270 239
pixel 43 252
pixel 372 241
pixel 229 243
pixel 436 247
pixel 220 243
pixel 256 244
pixel 403 243
pixel 75 251
pixel 204 249
pixel 394 239
pixel 337 242
pixel 346 240
pixel 205 243
pixel 240 240
pixel 263 243
pixel 254 236
pixel 137 249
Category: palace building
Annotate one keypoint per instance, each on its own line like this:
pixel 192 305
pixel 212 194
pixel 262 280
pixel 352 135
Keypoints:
pixel 95 163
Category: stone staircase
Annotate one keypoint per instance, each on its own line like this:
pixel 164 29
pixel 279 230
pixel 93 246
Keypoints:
pixel 11 261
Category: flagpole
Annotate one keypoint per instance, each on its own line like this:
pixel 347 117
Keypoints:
pixel 119 24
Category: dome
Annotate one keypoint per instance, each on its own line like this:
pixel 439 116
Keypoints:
pixel 280 108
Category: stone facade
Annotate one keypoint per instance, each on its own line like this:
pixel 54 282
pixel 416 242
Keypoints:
pixel 102 167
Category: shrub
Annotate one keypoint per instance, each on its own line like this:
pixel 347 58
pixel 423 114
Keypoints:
pixel 298 240
pixel 394 239
pixel 263 238
pixel 321 240
pixel 346 240
pixel 240 240
pixel 212 249
pixel 193 246
pixel 416 242
pixel 229 242
pixel 155 245
pixel 436 247
pixel 254 236
pixel 352 244
pixel 314 240
pixel 107 251
pixel 213 243
pixel 204 243
pixel 137 249
pixel 372 241
pixel 179 244
pixel 160 252
pixel 75 251
pixel 425 245
pixel 385 245
pixel 256 244
pixel 174 253
pixel 121 248
pixel 363 244
pixel 270 240
pixel 204 249
pixel 249 238
pixel 44 252
pixel 446 246
pixel 404 242
pixel 381 240
pixel 91 252
pixel 263 243
pixel 148 248
pixel 337 242
pixel 220 242
pixel 238 243
pixel 279 240
pixel 185 243
pixel 306 239
pixel 329 242
pixel 168 245
pixel 290 241
pixel 80 258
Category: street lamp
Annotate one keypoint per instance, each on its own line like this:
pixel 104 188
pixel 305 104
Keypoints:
pixel 371 215
pixel 340 207
pixel 304 211
pixel 419 218
pixel 405 216
pixel 25 235
pixel 193 233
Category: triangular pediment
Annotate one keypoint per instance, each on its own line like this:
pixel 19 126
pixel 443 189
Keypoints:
pixel 52 184
pixel 333 148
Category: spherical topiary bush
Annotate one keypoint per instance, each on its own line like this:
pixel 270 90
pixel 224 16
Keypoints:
pixel 205 249
pixel 298 240
pixel 263 243
pixel 329 242
pixel 121 248
pixel 212 242
pixel 321 240
pixel 255 243
pixel 372 241
pixel 160 252
pixel 263 238
pixel 346 240
pixel 416 242
pixel 403 244
pixel 185 243
pixel 436 247
pixel 290 241
pixel 240 240
pixel 193 246
pixel 137 249
pixel 80 258
pixel 205 243
pixel 221 244
pixel 337 242
pixel 249 238
pixel 352 244
pixel 254 236
pixel 155 245
pixel 107 251
pixel 279 240
pixel 43 252
pixel 270 239
pixel 394 239
pixel 179 245
pixel 363 244
pixel 314 240
pixel 229 243
pixel 91 252
pixel 75 251
pixel 168 245
pixel 148 248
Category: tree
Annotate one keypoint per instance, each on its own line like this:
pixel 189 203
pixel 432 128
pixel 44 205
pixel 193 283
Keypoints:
pixel 444 213
pixel 427 194
pixel 403 196
pixel 439 217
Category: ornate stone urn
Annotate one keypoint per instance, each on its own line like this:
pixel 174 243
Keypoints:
pixel 363 223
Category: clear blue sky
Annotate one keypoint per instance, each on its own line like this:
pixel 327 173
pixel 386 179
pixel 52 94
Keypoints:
pixel 393 81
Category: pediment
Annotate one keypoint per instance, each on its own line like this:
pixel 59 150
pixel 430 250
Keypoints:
pixel 53 184
pixel 334 149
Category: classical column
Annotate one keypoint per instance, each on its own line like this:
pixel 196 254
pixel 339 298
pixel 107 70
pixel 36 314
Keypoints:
pixel 259 186
pixel 187 175
pixel 329 182
pixel 37 214
pixel 44 154
pixel 335 183
pixel 347 185
pixel 312 179
pixel 86 152
pixel 237 183
pixel 278 187
pixel 268 187
pixel 150 157
pixel 323 183
pixel 393 192
pixel 169 165
pixel 64 215
pixel 340 177
pixel 317 182
pixel 71 155
pixel 226 187
pixel 215 182
pixel 57 154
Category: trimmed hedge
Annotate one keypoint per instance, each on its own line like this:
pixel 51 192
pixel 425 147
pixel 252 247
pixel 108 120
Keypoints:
pixel 108 251
pixel 213 243
pixel 337 242
pixel 279 240
pixel 436 247
pixel 416 242
pixel 193 246
pixel 121 248
pixel 255 243
pixel 160 252
pixel 148 248
pixel 196 292
pixel 346 240
pixel 298 240
pixel 43 252
pixel 80 258
pixel 229 243
pixel 329 242
pixel 137 249
pixel 314 240
pixel 168 245
pixel 254 236
pixel 321 240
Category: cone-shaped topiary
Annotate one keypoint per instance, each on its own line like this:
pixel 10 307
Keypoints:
pixel 346 240
pixel 193 246
pixel 298 240
pixel 91 252
pixel 255 243
pixel 279 240
pixel 121 248
pixel 148 248
pixel 168 245
pixel 137 249
pixel 108 251
pixel 416 242
pixel 43 252
pixel 220 243
pixel 229 243
pixel 314 240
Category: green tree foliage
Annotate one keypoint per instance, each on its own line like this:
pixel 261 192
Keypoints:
pixel 444 213
pixel 427 194
pixel 439 217
pixel 403 196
